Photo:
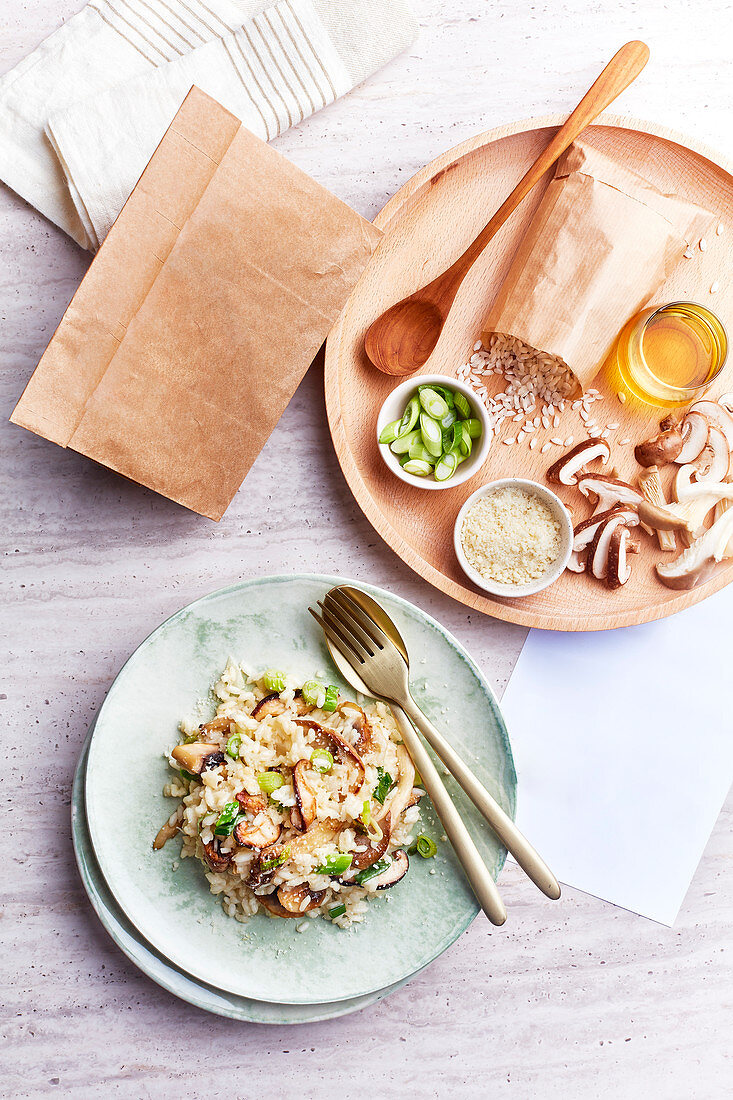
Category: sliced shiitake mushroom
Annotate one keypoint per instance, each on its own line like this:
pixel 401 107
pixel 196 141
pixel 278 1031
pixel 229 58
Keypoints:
pixel 608 491
pixel 305 797
pixel 694 437
pixel 317 836
pixel 565 471
pixel 394 873
pixel 326 738
pixel 292 898
pixel 216 725
pixel 260 833
pixel 365 735
pixel 619 569
pixel 169 830
pixel 272 903
pixel 661 448
pixel 215 859
pixel 269 707
pixel 251 803
pixel 367 856
pixel 198 757
pixel 716 414
pixel 584 532
pixel 599 547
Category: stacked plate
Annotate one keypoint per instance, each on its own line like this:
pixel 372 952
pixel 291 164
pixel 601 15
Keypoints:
pixel 159 910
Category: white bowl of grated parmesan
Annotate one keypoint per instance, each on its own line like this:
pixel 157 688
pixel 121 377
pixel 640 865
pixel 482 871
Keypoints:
pixel 513 537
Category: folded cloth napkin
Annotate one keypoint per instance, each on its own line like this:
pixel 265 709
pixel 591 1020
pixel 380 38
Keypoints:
pixel 82 115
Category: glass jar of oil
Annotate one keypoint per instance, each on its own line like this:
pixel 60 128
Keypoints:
pixel 668 355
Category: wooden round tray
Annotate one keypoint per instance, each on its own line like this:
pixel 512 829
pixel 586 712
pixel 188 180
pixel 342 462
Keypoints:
pixel 427 224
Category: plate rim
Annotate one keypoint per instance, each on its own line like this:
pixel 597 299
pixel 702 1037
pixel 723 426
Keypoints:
pixel 242 1013
pixel 330 580
pixel 505 610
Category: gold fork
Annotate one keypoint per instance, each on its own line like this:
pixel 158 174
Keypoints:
pixel 383 668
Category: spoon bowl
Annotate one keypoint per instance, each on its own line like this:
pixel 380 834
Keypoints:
pixel 403 338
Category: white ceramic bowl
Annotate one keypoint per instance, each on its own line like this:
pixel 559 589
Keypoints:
pixel 558 510
pixel 395 405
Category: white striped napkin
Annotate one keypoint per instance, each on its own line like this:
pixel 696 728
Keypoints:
pixel 80 117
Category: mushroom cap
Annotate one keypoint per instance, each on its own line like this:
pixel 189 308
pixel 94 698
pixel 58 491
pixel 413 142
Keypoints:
pixel 661 448
pixel 565 470
pixel 198 757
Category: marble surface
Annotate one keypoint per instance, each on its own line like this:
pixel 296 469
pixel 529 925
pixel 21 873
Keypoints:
pixel 581 1000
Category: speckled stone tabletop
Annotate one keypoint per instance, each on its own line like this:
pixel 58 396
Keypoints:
pixel 582 1000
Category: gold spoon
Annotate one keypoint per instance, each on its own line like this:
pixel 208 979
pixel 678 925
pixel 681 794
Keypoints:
pixel 401 340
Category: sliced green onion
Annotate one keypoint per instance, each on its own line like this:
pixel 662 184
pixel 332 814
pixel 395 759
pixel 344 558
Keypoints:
pixel 431 433
pixel 409 417
pixel 449 420
pixel 366 813
pixel 473 427
pixel 312 690
pixel 227 819
pixel 334 865
pixel 332 698
pixel 445 393
pixel 190 738
pixel 337 911
pixel 463 405
pixel 274 680
pixel 233 746
pixel 417 468
pixel 419 450
pixel 372 872
pixel 389 433
pixel 269 781
pixel 425 846
pixel 401 445
pixel 322 760
pixel 446 466
pixel 269 863
pixel 384 785
pixel 434 403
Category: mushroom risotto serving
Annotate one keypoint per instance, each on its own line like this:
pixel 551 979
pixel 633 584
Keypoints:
pixel 294 799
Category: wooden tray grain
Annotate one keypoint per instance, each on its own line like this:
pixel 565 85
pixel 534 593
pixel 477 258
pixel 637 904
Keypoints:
pixel 429 222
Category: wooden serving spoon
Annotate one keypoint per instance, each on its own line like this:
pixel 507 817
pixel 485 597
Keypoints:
pixel 403 337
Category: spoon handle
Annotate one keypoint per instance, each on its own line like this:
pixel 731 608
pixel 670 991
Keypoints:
pixel 476 871
pixel 525 855
pixel 621 70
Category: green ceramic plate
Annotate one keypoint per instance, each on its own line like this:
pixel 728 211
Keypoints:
pixel 169 977
pixel 265 623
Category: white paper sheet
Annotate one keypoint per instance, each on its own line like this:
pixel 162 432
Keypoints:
pixel 623 741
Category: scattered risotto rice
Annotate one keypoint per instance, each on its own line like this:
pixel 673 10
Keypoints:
pixel 295 800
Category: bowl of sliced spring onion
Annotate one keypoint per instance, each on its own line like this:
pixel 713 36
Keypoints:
pixel 432 432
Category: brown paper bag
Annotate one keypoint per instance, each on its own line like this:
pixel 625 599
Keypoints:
pixel 601 243
pixel 211 295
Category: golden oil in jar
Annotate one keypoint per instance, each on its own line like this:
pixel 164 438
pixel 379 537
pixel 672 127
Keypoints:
pixel 669 355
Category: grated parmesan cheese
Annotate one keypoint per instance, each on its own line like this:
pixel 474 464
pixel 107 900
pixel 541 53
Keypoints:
pixel 510 537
